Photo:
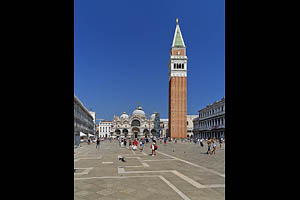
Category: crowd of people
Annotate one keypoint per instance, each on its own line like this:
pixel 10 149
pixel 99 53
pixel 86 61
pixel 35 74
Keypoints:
pixel 135 144
pixel 139 143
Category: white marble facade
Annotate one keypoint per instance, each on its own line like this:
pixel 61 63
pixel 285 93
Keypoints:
pixel 134 126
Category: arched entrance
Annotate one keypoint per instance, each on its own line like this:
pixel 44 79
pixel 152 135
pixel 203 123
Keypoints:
pixel 135 131
pixel 146 132
pixel 125 132
pixel 135 122
pixel 153 132
pixel 118 132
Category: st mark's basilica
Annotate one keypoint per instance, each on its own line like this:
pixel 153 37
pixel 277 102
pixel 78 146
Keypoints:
pixel 136 125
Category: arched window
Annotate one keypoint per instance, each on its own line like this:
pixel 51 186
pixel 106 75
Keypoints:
pixel 135 123
pixel 182 66
pixel 174 65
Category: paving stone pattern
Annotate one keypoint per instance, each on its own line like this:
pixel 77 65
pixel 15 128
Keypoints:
pixel 178 171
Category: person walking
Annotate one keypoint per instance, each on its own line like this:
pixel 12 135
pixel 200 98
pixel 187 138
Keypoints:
pixel 153 148
pixel 129 143
pixel 221 141
pixel 214 145
pixel 97 143
pixel 165 140
pixel 208 146
pixel 125 142
pixel 175 140
pixel 201 142
pixel 141 145
pixel 135 144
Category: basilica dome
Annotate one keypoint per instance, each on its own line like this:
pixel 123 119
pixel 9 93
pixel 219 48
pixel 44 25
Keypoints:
pixel 139 112
pixel 124 116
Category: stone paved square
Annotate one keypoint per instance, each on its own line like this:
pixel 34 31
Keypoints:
pixel 178 171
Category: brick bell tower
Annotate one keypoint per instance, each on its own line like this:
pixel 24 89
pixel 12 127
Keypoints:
pixel 178 87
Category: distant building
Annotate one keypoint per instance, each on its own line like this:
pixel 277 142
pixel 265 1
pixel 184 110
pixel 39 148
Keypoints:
pixel 94 120
pixel 136 125
pixel 83 121
pixel 164 125
pixel 190 124
pixel 211 121
pixel 105 128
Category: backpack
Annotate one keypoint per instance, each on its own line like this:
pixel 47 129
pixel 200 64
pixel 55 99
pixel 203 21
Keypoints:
pixel 155 147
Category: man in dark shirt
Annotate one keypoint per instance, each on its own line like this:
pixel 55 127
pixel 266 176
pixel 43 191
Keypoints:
pixel 98 143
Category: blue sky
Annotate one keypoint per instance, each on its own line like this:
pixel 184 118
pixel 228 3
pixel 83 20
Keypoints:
pixel 121 53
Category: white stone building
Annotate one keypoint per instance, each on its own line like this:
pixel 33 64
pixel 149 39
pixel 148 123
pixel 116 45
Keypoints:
pixel 164 127
pixel 105 128
pixel 211 121
pixel 190 124
pixel 83 121
pixel 136 125
pixel 94 119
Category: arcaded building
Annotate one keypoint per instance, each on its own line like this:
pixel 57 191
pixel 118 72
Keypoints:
pixel 178 86
pixel 211 121
pixel 83 121
pixel 136 125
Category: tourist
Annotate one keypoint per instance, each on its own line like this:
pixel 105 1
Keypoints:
pixel 98 143
pixel 208 146
pixel 125 142
pixel 129 143
pixel 153 148
pixel 214 145
pixel 201 142
pixel 135 144
pixel 221 141
pixel 141 145
pixel 175 141
pixel 165 140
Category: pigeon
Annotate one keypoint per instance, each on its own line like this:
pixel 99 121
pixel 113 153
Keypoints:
pixel 122 159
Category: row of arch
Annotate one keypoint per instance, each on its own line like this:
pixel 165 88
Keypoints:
pixel 135 133
pixel 135 129
pixel 178 65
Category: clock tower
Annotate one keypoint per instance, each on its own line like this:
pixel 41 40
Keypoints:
pixel 178 86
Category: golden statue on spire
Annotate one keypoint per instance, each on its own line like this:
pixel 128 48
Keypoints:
pixel 177 20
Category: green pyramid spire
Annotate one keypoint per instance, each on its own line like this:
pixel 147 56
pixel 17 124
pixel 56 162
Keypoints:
pixel 178 39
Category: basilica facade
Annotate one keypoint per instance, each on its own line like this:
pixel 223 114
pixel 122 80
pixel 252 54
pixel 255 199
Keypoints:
pixel 136 125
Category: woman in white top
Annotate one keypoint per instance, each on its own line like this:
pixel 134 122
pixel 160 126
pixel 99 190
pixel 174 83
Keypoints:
pixel 214 146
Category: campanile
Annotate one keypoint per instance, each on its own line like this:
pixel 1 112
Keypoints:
pixel 178 87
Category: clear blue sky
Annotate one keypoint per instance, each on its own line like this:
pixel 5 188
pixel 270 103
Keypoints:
pixel 121 53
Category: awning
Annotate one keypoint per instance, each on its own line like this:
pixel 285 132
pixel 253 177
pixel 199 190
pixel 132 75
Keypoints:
pixel 82 134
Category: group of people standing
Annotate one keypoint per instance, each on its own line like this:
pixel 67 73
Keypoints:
pixel 212 145
pixel 134 144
